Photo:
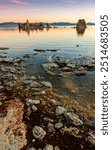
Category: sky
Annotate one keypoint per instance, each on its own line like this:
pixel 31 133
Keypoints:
pixel 47 10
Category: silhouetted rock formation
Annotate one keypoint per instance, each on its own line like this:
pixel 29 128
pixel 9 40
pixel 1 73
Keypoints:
pixel 30 26
pixel 81 26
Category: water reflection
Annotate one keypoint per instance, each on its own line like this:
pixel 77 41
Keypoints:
pixel 65 38
pixel 80 31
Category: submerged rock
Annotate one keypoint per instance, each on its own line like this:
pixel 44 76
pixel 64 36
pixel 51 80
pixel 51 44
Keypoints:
pixel 4 48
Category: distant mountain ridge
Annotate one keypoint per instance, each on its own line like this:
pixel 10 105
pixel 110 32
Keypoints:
pixel 8 24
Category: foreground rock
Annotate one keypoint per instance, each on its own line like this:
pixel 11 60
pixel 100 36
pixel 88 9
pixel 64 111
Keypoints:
pixel 12 129
pixel 61 66
pixel 38 132
pixel 50 122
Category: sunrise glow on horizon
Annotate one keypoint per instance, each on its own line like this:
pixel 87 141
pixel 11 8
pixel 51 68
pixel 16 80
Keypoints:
pixel 46 10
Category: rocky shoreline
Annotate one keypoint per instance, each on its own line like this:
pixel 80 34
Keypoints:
pixel 34 117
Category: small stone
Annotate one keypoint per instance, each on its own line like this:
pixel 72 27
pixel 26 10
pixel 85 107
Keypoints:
pixel 33 140
pixel 56 148
pixel 73 119
pixel 46 84
pixel 71 65
pixel 31 102
pixel 31 148
pixel 48 120
pixel 42 93
pixel 1 87
pixel 35 84
pixel 54 102
pixel 80 73
pixel 50 128
pixel 28 112
pixel 58 125
pixel 60 110
pixel 81 69
pixel 34 108
pixel 33 78
pixel 38 132
pixel 0 103
pixel 48 147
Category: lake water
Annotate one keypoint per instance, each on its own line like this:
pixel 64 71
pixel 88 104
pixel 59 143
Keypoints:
pixel 71 45
pixel 64 38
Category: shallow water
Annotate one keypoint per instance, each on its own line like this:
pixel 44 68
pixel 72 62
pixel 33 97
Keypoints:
pixel 71 45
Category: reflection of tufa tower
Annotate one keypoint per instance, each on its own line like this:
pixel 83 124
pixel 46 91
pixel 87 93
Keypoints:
pixel 27 25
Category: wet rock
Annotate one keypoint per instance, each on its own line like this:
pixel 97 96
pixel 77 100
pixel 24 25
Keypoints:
pixel 60 110
pixel 71 65
pixel 58 125
pixel 48 147
pixel 4 48
pixel 27 56
pixel 81 69
pixel 49 65
pixel 73 119
pixel 46 84
pixel 66 69
pixel 38 132
pixel 80 73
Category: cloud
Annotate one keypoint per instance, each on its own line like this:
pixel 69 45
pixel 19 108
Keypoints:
pixel 69 1
pixel 18 2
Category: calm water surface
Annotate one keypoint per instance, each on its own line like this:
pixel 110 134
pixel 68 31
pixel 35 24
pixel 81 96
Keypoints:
pixel 66 39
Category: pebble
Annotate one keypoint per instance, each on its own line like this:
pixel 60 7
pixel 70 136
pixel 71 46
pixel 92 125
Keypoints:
pixel 46 84
pixel 48 147
pixel 58 125
pixel 56 148
pixel 31 102
pixel 50 128
pixel 60 110
pixel 38 132
pixel 34 108
pixel 73 119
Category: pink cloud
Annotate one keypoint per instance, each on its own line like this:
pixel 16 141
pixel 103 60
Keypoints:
pixel 19 2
